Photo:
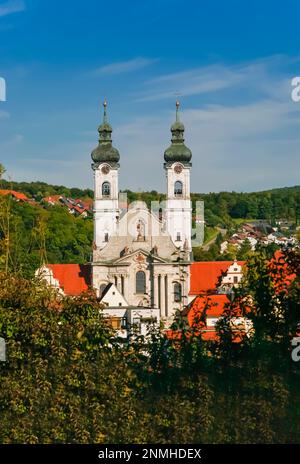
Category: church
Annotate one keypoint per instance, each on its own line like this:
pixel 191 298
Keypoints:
pixel 142 258
pixel 146 254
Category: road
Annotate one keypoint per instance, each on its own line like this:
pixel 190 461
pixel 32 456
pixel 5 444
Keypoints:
pixel 207 246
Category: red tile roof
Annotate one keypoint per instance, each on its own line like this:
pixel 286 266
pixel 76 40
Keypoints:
pixel 201 323
pixel 205 275
pixel 87 203
pixel 73 278
pixel 17 195
pixel 52 199
pixel 215 305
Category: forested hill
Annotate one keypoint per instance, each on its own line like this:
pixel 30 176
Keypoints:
pixel 40 232
pixel 219 207
pixel 43 189
pixel 39 190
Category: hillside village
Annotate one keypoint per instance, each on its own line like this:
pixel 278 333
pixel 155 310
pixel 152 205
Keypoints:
pixel 261 232
pixel 75 206
pixel 281 233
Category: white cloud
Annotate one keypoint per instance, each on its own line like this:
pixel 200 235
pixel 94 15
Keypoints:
pixel 245 147
pixel 259 77
pixel 190 82
pixel 243 130
pixel 121 67
pixel 11 6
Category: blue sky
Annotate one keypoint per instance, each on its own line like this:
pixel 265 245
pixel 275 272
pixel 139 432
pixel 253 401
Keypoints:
pixel 230 63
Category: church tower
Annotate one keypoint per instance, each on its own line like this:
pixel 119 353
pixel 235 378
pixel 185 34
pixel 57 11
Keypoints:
pixel 178 214
pixel 106 169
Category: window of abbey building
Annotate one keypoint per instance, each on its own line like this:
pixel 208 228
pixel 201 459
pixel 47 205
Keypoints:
pixel 177 292
pixel 140 280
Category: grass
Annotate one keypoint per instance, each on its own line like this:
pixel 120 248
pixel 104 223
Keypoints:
pixel 211 233
pixel 243 220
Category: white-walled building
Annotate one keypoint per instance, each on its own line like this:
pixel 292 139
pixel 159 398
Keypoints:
pixel 146 254
pixel 141 265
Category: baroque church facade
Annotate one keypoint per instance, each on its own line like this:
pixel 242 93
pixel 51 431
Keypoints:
pixel 141 266
pixel 145 253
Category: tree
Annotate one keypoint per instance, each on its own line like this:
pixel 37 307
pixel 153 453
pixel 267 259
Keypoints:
pixel 2 170
pixel 245 250
pixel 68 380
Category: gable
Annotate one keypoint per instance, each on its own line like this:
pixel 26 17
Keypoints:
pixel 111 296
pixel 205 275
pixel 73 278
pixel 138 256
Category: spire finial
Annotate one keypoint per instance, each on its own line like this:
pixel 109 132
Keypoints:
pixel 177 110
pixel 104 112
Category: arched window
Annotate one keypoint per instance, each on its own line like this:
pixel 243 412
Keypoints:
pixel 106 189
pixel 101 289
pixel 178 188
pixel 177 292
pixel 140 282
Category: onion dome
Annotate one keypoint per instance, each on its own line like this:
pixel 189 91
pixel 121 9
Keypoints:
pixel 177 151
pixel 105 152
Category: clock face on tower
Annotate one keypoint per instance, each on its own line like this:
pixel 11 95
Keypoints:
pixel 105 169
pixel 178 168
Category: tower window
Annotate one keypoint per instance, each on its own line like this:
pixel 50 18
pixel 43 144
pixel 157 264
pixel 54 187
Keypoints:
pixel 178 188
pixel 160 214
pixel 106 189
pixel 178 237
pixel 140 282
pixel 177 292
pixel 106 237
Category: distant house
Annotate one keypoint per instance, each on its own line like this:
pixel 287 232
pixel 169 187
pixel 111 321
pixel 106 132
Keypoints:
pixel 208 303
pixel 53 200
pixel 68 279
pixel 18 196
pixel 214 276
pixel 205 311
pixel 76 207
pixel 74 279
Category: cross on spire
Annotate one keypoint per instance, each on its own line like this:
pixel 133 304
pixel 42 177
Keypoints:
pixel 104 112
pixel 177 110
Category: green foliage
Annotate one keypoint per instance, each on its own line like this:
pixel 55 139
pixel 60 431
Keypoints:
pixel 72 242
pixel 244 251
pixel 220 208
pixel 40 190
pixel 38 235
pixel 66 380
pixel 269 205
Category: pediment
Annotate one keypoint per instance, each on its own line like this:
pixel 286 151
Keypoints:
pixel 139 256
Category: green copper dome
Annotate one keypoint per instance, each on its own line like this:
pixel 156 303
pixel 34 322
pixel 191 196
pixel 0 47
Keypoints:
pixel 177 151
pixel 105 152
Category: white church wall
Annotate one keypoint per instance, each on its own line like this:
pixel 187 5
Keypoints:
pixel 106 209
